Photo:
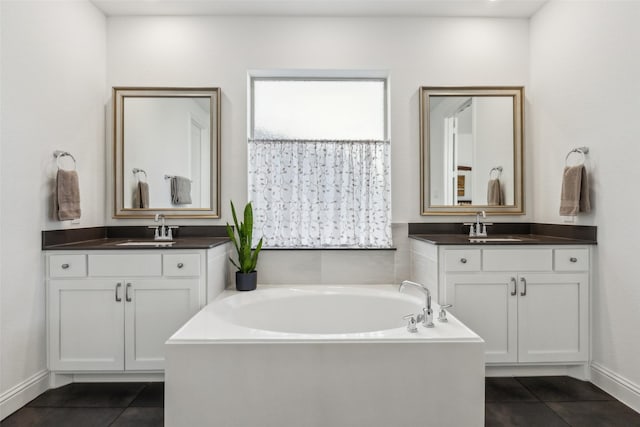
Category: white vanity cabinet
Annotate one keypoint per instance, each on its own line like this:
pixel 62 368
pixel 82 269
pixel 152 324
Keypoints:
pixel 114 310
pixel 529 303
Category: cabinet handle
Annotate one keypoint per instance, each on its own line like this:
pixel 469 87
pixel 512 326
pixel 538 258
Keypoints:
pixel 118 297
pixel 64 266
pixel 515 287
pixel 524 289
pixel 180 265
pixel 127 297
pixel 463 260
pixel 573 259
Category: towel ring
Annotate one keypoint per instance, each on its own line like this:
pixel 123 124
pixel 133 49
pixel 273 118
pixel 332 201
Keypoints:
pixel 59 153
pixel 580 150
pixel 137 171
pixel 497 169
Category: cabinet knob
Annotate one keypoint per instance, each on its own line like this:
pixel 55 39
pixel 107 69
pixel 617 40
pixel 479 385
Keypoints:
pixel 463 260
pixel 64 266
pixel 180 265
pixel 573 259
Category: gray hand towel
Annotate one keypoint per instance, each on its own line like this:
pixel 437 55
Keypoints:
pixel 180 190
pixel 67 195
pixel 574 197
pixel 494 193
pixel 141 196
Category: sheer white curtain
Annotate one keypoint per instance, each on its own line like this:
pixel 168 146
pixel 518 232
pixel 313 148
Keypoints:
pixel 321 193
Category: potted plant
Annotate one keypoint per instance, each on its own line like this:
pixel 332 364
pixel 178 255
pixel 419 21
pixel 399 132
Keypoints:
pixel 246 276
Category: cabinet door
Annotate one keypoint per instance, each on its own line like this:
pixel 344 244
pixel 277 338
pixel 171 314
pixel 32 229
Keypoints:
pixel 552 317
pixel 86 325
pixel 484 302
pixel 154 310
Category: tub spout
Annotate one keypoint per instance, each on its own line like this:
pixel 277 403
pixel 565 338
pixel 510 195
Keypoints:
pixel 427 313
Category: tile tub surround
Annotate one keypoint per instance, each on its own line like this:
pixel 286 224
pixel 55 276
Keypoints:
pixel 215 355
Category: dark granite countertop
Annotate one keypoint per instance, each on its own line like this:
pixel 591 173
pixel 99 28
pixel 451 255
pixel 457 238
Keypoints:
pixel 108 238
pixel 522 233
pixel 519 239
pixel 110 243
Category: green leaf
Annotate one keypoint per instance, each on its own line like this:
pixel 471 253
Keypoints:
pixel 242 238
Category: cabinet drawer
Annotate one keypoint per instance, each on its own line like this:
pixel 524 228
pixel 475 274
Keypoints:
pixel 571 259
pixel 462 260
pixel 181 265
pixel 517 260
pixel 67 266
pixel 129 265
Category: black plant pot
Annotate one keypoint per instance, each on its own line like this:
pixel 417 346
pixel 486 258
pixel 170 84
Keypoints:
pixel 246 281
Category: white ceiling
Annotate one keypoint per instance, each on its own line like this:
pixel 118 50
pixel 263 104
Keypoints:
pixel 475 8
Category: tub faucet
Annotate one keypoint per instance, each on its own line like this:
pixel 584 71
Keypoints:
pixel 427 313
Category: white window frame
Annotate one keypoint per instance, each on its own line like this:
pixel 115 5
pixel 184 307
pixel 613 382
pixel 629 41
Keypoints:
pixel 316 75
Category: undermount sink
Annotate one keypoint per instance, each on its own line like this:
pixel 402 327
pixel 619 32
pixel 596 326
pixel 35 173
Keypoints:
pixel 493 239
pixel 147 243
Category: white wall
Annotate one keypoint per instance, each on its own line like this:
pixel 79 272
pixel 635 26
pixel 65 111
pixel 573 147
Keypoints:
pixel 585 91
pixel 218 51
pixel 53 80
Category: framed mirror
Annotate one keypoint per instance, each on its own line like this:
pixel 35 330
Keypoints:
pixel 166 152
pixel 471 142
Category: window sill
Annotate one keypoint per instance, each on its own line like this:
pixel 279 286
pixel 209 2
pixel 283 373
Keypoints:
pixel 393 248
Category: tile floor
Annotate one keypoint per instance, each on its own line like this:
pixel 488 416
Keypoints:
pixel 553 401
pixel 522 401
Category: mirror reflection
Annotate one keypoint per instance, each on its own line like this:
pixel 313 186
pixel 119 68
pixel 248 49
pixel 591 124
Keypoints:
pixel 471 150
pixel 166 152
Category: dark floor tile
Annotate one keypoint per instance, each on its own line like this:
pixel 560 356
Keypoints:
pixel 596 414
pixel 151 395
pixel 89 395
pixel 515 414
pixel 506 390
pixel 563 389
pixel 62 417
pixel 140 417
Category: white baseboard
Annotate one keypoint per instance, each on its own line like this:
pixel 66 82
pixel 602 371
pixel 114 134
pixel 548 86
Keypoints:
pixel 616 385
pixel 21 394
pixel 580 372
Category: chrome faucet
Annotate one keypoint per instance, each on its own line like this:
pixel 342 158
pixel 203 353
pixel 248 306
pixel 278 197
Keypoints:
pixel 481 232
pixel 162 232
pixel 427 313
pixel 480 229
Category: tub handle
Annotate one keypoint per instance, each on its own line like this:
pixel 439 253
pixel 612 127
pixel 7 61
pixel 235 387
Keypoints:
pixel 442 316
pixel 412 323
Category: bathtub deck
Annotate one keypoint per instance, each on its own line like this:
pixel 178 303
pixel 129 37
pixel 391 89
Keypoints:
pixel 219 375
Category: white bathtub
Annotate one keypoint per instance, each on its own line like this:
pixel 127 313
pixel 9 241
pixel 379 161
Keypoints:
pixel 322 356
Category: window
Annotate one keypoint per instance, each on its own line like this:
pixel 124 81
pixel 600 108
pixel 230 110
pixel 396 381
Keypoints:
pixel 319 162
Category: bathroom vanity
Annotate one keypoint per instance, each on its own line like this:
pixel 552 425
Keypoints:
pixel 526 295
pixel 110 308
